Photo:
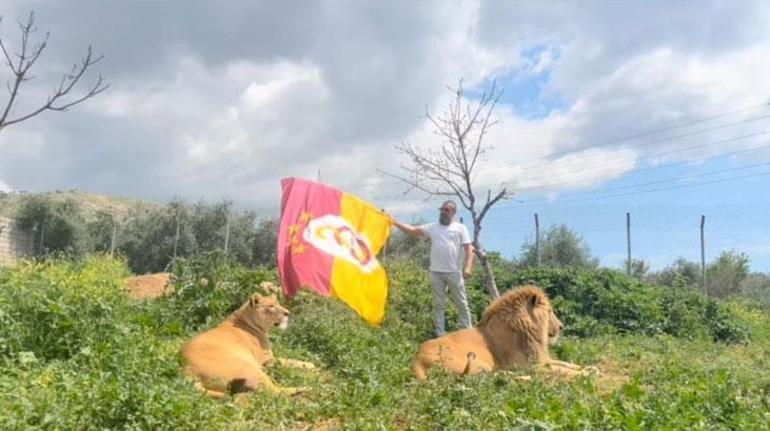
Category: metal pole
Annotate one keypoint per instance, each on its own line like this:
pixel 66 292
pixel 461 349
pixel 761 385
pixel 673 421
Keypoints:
pixel 176 238
pixel 628 238
pixel 42 236
pixel 227 234
pixel 537 239
pixel 112 241
pixel 703 254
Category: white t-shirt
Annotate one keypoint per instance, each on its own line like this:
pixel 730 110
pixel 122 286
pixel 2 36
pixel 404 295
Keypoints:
pixel 446 245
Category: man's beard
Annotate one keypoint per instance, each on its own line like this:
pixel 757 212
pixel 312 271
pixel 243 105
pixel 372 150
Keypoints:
pixel 444 219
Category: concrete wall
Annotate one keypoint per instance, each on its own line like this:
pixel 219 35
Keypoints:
pixel 14 242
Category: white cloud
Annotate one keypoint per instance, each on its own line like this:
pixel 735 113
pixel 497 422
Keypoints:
pixel 333 87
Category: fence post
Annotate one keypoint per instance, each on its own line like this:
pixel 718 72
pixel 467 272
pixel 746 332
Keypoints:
pixel 114 233
pixel 628 239
pixel 703 254
pixel 227 234
pixel 176 238
pixel 537 240
pixel 42 238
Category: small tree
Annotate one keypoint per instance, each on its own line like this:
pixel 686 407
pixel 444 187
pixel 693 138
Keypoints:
pixel 57 226
pixel 639 268
pixel 102 228
pixel 681 273
pixel 560 247
pixel 215 225
pixel 727 273
pixel 264 242
pixel 21 60
pixel 150 241
pixel 450 170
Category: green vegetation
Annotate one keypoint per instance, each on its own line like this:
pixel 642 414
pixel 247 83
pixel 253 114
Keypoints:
pixel 77 223
pixel 148 235
pixel 77 353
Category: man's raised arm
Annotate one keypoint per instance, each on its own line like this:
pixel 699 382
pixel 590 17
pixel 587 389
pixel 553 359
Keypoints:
pixel 407 228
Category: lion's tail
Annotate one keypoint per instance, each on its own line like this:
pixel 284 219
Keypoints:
pixel 421 362
pixel 469 365
pixel 420 368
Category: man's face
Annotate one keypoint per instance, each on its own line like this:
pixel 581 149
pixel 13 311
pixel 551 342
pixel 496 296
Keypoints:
pixel 446 214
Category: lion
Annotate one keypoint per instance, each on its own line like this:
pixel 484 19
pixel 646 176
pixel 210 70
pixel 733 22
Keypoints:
pixel 230 357
pixel 514 332
pixel 149 286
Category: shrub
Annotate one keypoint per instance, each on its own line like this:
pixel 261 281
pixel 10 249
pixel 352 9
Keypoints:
pixel 600 301
pixel 52 310
pixel 115 364
pixel 207 288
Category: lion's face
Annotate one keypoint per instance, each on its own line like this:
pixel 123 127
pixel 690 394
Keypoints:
pixel 268 312
pixel 543 313
pixel 554 326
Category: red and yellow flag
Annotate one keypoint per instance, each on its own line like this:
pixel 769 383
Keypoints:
pixel 329 241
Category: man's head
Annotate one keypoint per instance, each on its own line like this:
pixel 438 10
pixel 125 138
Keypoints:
pixel 447 212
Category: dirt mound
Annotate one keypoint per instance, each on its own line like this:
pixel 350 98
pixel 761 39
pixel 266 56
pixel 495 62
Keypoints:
pixel 149 286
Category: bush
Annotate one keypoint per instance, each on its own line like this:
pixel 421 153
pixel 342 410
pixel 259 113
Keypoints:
pixel 601 301
pixel 86 356
pixel 53 310
pixel 207 288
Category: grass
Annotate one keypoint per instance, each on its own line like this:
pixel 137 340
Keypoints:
pixel 116 365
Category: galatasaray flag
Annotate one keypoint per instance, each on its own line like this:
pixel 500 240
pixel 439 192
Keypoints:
pixel 328 241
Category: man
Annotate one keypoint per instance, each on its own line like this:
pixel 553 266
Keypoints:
pixel 448 240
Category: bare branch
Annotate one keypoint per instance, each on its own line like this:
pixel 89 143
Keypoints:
pixel 450 168
pixel 502 194
pixel 27 58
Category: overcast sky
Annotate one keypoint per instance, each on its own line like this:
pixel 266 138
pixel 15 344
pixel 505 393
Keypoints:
pixel 222 99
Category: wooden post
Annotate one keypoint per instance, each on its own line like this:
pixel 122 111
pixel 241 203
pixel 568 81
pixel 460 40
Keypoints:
pixel 227 234
pixel 703 254
pixel 42 237
pixel 112 240
pixel 176 238
pixel 628 239
pixel 537 239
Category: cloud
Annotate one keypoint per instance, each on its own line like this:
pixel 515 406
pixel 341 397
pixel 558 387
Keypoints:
pixel 223 100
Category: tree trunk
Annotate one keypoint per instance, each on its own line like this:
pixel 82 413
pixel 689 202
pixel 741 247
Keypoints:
pixel 489 276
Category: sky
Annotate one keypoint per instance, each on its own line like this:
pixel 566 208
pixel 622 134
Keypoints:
pixel 657 109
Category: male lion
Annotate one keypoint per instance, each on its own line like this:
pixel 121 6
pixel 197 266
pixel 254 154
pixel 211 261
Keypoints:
pixel 229 358
pixel 514 331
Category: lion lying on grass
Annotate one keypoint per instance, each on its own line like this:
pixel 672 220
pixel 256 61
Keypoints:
pixel 149 286
pixel 230 357
pixel 514 332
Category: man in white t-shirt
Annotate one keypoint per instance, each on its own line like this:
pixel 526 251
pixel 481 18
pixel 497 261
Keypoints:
pixel 451 262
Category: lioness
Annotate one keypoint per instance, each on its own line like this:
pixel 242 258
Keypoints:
pixel 149 286
pixel 229 358
pixel 514 331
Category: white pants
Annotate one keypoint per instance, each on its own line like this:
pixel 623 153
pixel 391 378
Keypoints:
pixel 440 282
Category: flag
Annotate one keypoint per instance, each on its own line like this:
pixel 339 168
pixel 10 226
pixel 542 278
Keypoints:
pixel 329 241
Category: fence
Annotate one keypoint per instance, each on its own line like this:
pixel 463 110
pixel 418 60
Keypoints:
pixel 15 243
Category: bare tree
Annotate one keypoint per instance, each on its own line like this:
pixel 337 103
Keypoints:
pixel 450 169
pixel 21 61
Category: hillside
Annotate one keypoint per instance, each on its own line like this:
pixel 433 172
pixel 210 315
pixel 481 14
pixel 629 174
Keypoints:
pixel 91 203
